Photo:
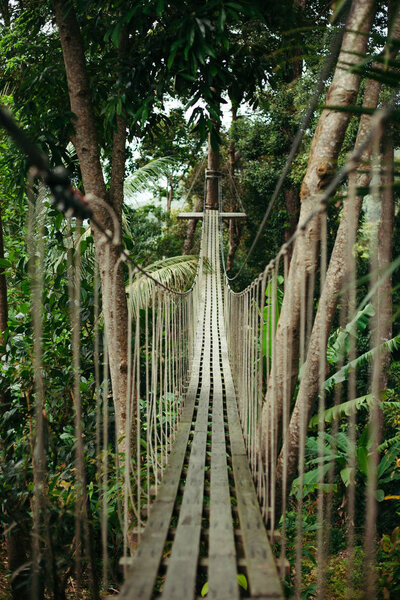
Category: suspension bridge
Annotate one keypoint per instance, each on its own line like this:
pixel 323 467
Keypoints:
pixel 205 449
pixel 213 400
pixel 207 485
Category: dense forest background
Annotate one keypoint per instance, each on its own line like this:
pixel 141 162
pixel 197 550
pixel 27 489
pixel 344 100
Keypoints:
pixel 128 96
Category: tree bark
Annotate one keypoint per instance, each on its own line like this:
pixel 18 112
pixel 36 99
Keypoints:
pixel 86 144
pixel 191 229
pixel 291 196
pixel 324 151
pixel 235 229
pixel 212 181
pixel 336 276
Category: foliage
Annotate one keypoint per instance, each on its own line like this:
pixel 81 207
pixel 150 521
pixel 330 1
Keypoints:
pixel 176 273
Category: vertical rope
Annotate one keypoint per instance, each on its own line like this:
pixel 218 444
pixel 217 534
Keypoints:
pixel 302 441
pixel 35 243
pixel 374 418
pixel 351 394
pixel 285 424
pixel 321 549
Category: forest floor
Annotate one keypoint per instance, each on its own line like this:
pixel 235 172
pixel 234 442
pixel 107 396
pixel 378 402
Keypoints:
pixel 5 593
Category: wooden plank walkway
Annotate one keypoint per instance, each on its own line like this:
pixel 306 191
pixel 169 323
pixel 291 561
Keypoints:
pixel 204 494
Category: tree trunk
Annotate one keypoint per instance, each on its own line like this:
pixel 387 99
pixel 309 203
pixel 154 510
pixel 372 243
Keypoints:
pixel 291 196
pixel 212 180
pixel 336 276
pixel 235 229
pixel 85 141
pixel 191 229
pixel 170 196
pixel 324 151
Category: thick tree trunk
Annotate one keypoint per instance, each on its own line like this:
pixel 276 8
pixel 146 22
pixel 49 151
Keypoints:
pixel 235 229
pixel 325 148
pixel 291 196
pixel 16 543
pixel 85 141
pixel 335 278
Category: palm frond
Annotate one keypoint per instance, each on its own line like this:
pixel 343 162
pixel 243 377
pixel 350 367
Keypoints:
pixel 387 443
pixel 342 374
pixel 176 272
pixel 342 410
pixel 149 174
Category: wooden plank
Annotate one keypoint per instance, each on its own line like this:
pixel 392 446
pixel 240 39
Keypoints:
pixel 222 570
pixel 182 567
pixel 145 563
pixel 261 568
pixel 260 563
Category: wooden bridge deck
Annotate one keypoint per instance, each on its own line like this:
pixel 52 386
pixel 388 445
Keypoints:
pixel 205 524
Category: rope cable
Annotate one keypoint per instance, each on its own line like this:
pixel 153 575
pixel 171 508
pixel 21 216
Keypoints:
pixel 351 164
pixel 329 63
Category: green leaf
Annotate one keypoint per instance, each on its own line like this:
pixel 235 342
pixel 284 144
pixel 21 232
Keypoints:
pixel 242 581
pixel 380 495
pixel 347 475
pixel 5 263
pixel 362 457
pixel 221 19
pixel 342 410
pixel 171 59
pixel 116 34
pixel 160 8
pixel 204 590
pixel 58 221
pixel 191 35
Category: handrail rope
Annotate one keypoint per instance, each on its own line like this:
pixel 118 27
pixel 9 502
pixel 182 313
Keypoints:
pixel 125 256
pixel 328 64
pixel 236 191
pixel 69 201
pixel 350 165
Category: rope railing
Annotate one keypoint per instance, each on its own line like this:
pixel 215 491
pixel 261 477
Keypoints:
pixel 160 342
pixel 292 334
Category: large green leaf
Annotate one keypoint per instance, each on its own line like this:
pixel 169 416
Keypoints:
pixel 342 374
pixel 341 410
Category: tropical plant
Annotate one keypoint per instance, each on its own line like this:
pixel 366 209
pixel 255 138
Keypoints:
pixel 176 272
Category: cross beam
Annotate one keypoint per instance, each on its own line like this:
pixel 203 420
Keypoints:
pixel 199 215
